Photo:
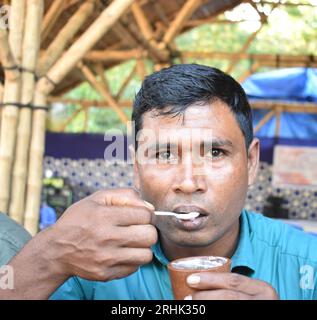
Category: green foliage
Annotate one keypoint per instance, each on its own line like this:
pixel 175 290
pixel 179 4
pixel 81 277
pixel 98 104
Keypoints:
pixel 290 30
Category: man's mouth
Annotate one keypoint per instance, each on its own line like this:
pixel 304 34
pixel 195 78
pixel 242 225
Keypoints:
pixel 185 209
pixel 192 224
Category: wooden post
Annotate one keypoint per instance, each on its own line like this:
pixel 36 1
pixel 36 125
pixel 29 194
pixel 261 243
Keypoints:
pixel 44 87
pixel 31 43
pixel 11 94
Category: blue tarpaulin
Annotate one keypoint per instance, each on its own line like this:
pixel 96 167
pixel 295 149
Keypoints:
pixel 297 85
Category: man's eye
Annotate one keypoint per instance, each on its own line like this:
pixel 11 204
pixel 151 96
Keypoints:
pixel 165 155
pixel 215 153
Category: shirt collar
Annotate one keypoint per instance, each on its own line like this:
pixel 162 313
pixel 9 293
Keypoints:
pixel 243 256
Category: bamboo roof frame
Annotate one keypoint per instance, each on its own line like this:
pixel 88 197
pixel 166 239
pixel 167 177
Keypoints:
pixel 54 45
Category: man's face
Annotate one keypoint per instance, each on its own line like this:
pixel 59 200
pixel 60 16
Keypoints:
pixel 215 185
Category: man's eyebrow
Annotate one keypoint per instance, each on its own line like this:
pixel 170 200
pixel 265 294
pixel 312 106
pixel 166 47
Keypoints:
pixel 164 145
pixel 219 142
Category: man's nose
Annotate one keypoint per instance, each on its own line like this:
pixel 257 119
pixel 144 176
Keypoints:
pixel 189 177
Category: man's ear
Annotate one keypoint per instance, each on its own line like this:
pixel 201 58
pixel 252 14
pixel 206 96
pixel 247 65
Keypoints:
pixel 253 160
pixel 136 176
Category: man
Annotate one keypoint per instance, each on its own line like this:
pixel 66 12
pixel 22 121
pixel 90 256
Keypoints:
pixel 195 151
pixel 12 238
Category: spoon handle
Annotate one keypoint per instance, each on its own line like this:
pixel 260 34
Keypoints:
pixel 164 213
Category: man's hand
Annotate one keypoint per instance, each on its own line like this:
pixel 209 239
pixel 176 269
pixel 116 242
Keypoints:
pixel 229 286
pixel 105 236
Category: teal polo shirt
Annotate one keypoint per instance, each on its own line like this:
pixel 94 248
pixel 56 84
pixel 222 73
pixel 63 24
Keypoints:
pixel 13 238
pixel 267 250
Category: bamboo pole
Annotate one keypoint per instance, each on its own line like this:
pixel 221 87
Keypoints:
pixel 86 119
pixel 100 71
pixel 35 170
pixel 291 4
pixel 114 55
pixel 185 13
pixel 103 91
pixel 11 94
pixel 85 42
pixel 250 71
pixel 51 17
pixel 264 120
pixel 264 59
pixel 157 52
pixel 125 83
pixel 141 70
pixel 161 13
pixel 1 100
pixel 249 41
pixel 17 16
pixel 44 87
pixel 88 103
pixel 31 43
pixel 1 93
pixel 125 35
pixel 71 3
pixel 71 118
pixel 278 122
pixel 244 48
pixel 286 107
pixel 56 48
pixel 142 22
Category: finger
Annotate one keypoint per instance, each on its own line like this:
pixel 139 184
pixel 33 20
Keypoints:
pixel 228 281
pixel 134 256
pixel 124 216
pixel 120 197
pixel 138 236
pixel 221 294
pixel 127 216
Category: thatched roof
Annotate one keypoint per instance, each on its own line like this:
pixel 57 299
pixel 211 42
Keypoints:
pixel 126 34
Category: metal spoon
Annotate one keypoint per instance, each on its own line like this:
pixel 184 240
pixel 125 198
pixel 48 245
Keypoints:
pixel 181 216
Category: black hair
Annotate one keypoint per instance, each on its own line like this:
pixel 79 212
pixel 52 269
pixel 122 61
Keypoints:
pixel 172 90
